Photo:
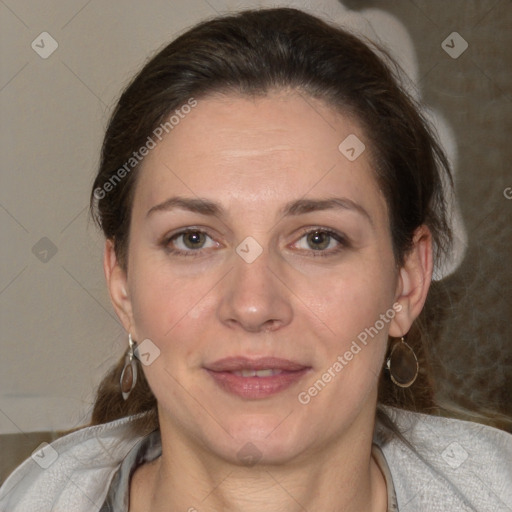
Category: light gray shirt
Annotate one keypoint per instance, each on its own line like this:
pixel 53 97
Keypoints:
pixel 436 465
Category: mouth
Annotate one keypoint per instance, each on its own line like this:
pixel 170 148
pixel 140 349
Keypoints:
pixel 256 378
pixel 267 372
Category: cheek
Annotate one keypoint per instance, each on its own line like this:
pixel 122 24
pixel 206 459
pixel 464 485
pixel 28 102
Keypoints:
pixel 350 300
pixel 172 312
pixel 161 298
pixel 351 304
pixel 354 344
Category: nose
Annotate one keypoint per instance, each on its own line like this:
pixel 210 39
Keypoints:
pixel 254 298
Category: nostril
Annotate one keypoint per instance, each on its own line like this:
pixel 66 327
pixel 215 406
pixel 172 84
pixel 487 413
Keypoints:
pixel 251 299
pixel 256 326
pixel 271 325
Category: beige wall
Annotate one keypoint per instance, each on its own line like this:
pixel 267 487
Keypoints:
pixel 59 333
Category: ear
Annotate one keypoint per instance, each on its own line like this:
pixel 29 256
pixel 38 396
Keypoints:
pixel 117 285
pixel 413 282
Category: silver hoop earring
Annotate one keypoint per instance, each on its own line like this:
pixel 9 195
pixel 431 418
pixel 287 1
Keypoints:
pixel 402 364
pixel 129 374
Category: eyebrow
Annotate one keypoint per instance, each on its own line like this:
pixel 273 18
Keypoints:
pixel 293 208
pixel 303 206
pixel 201 206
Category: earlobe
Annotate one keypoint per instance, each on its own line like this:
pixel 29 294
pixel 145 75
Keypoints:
pixel 117 285
pixel 413 282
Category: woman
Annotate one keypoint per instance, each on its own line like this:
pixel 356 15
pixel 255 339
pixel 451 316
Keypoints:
pixel 273 207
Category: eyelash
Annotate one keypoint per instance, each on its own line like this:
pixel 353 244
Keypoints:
pixel 343 242
pixel 194 253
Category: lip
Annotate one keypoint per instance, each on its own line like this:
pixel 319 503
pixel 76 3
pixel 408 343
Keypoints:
pixel 255 387
pixel 233 364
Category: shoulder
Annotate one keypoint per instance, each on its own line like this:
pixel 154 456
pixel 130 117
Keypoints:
pixel 72 473
pixel 448 464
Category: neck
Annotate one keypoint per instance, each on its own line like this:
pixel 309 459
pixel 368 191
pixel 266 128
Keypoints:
pixel 342 476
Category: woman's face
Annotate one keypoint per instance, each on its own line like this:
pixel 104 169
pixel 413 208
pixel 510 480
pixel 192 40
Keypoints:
pixel 254 236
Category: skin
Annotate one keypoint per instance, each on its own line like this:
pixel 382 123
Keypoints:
pixel 253 156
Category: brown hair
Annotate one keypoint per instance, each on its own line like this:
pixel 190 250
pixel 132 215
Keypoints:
pixel 252 53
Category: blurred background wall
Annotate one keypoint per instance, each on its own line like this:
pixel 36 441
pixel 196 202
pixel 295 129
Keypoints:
pixel 63 64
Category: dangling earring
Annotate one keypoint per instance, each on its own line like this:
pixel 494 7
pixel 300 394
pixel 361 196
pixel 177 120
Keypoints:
pixel 129 374
pixel 402 364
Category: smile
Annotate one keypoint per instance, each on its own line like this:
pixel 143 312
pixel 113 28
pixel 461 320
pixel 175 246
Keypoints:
pixel 269 372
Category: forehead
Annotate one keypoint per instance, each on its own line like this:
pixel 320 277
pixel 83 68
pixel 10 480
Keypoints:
pixel 259 153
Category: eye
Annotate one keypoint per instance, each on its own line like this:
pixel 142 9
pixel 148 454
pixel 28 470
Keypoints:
pixel 321 241
pixel 190 240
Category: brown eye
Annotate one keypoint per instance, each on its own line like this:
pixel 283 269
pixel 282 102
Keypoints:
pixel 189 242
pixel 318 240
pixel 322 242
pixel 194 239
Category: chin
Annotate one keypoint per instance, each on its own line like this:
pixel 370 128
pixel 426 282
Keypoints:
pixel 260 439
